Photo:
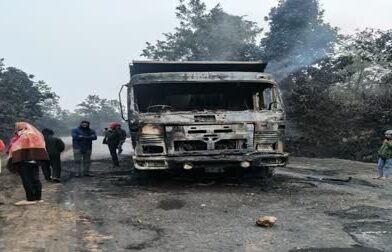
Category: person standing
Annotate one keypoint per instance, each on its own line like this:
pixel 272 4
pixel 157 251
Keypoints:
pixel 2 147
pixel 384 164
pixel 114 138
pixel 26 150
pixel 54 146
pixel 82 142
pixel 123 137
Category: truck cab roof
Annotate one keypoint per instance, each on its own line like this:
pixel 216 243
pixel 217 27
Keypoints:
pixel 143 67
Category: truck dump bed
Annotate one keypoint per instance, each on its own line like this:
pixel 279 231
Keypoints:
pixel 140 67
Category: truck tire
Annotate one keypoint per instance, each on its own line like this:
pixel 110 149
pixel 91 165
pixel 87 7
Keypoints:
pixel 264 172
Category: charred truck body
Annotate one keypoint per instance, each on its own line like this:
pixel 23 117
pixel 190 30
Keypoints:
pixel 212 115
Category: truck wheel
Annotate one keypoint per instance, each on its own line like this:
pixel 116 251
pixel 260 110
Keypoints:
pixel 264 172
pixel 270 171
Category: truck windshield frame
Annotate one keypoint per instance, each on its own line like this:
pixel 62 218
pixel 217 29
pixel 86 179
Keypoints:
pixel 204 96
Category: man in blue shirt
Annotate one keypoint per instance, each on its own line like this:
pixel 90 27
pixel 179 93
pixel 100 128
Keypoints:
pixel 82 142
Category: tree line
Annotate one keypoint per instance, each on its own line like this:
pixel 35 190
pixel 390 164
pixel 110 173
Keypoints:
pixel 336 87
pixel 24 99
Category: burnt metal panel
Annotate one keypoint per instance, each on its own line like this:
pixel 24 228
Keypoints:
pixel 141 67
pixel 204 77
pixel 266 137
pixel 211 139
pixel 148 145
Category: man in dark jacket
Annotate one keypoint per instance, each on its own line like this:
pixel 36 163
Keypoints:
pixel 54 147
pixel 82 142
pixel 114 138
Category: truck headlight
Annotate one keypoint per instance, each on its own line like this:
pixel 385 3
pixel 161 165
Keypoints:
pixel 152 129
pixel 278 146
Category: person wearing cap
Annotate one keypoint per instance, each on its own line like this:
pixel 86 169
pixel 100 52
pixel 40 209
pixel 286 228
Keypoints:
pixel 384 164
pixel 82 143
pixel 114 137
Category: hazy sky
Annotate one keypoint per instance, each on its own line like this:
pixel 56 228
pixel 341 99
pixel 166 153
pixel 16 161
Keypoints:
pixel 82 47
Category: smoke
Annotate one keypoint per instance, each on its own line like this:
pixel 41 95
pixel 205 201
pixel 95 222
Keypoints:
pixel 225 37
pixel 313 47
pixel 298 36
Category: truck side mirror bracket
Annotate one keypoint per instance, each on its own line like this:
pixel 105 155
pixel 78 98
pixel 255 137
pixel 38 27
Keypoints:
pixel 120 101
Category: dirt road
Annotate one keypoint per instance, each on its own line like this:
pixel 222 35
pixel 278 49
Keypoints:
pixel 120 211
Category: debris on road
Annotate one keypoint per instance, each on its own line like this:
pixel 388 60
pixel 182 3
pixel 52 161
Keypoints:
pixel 266 221
pixel 300 175
pixel 331 179
pixel 206 184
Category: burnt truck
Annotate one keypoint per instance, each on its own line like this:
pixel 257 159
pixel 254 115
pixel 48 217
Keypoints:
pixel 209 115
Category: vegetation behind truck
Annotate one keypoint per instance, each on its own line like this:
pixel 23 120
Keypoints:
pixel 209 115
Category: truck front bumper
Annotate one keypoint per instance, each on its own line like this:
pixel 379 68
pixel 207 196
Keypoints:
pixel 168 162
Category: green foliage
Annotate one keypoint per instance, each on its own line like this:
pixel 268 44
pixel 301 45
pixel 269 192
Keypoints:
pixel 21 98
pixel 341 106
pixel 206 35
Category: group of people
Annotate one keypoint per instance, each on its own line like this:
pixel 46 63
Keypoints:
pixel 30 148
pixel 82 142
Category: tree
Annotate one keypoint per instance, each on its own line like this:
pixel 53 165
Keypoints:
pixel 99 111
pixel 206 35
pixel 21 98
pixel 298 36
pixel 371 54
pixel 341 105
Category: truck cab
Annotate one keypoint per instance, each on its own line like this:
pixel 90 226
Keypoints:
pixel 205 115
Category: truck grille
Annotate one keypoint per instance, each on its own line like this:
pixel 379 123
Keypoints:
pixel 267 137
pixel 213 138
pixel 151 139
pixel 190 145
pixel 231 144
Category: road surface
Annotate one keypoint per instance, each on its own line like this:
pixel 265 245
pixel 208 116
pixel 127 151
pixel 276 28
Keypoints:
pixel 118 210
